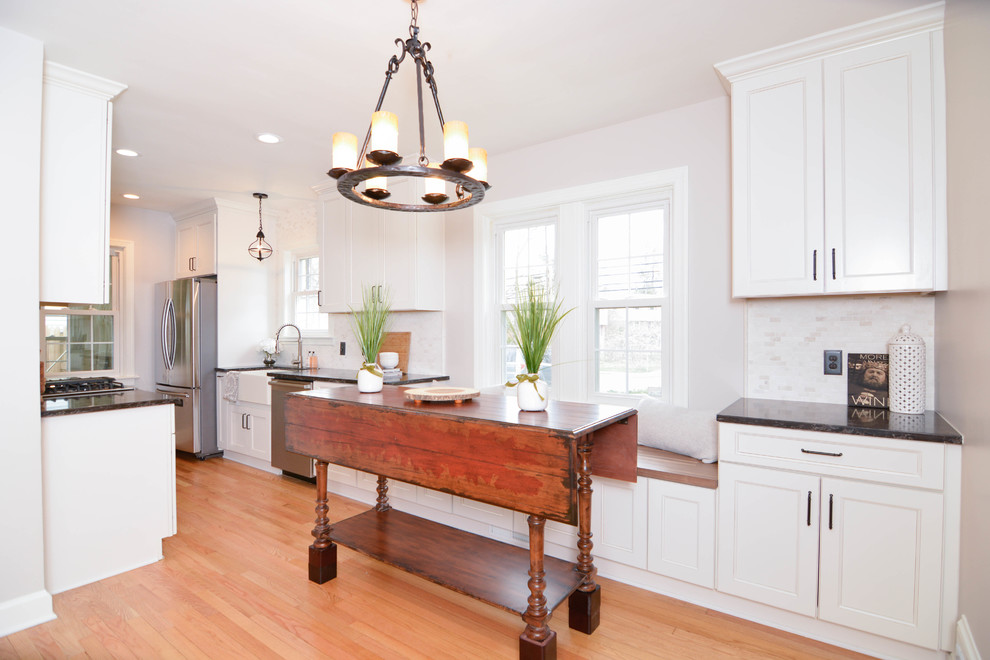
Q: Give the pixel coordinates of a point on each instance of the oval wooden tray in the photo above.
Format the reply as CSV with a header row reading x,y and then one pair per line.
x,y
441,394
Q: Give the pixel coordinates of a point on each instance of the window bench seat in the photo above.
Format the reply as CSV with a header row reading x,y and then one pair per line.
x,y
668,466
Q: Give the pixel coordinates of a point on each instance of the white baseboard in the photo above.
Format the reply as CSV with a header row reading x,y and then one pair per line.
x,y
250,461
25,611
965,644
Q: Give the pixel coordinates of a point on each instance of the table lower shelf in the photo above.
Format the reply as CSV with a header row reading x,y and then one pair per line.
x,y
489,570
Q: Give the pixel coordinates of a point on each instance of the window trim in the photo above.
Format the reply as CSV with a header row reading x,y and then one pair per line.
x,y
123,336
571,207
289,292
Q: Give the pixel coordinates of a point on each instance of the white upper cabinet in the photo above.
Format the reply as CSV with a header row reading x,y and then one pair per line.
x,y
879,168
196,251
777,196
838,171
75,185
364,246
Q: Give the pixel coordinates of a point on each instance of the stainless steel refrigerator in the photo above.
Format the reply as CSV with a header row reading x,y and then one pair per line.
x,y
185,366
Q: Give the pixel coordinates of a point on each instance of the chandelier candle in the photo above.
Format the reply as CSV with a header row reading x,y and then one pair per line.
x,y
344,153
435,189
479,161
384,138
380,156
377,187
455,146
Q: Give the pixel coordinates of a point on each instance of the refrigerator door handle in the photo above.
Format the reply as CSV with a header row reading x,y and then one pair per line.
x,y
172,330
164,333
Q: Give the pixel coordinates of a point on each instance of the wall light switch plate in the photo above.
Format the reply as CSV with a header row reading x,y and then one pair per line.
x,y
833,363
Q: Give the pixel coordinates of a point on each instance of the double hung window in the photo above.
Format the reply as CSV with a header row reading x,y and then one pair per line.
x,y
616,254
304,308
84,340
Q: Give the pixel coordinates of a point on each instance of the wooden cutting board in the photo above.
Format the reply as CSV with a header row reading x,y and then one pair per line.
x,y
398,342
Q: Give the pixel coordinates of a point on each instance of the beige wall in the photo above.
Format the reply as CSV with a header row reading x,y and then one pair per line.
x,y
696,136
962,315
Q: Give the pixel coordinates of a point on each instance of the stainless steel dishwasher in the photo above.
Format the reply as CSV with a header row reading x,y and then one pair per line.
x,y
290,463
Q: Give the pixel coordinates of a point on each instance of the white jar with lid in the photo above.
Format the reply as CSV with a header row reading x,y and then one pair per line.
x,y
907,372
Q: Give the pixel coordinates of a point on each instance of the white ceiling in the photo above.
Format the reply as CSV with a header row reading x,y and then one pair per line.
x,y
205,76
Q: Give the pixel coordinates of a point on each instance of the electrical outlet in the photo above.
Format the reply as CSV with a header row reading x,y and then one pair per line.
x,y
343,348
833,363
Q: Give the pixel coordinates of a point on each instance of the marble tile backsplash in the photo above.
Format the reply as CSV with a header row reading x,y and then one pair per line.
x,y
786,337
425,344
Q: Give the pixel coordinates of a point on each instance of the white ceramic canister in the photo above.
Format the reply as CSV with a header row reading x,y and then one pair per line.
x,y
907,372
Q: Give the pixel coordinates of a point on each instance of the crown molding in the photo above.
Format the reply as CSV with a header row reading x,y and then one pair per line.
x,y
80,81
913,21
215,204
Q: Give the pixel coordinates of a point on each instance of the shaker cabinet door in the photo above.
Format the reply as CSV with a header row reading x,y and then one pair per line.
x,y
777,202
881,559
768,536
879,174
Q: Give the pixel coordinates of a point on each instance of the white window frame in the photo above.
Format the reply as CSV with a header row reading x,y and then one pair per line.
x,y
573,375
123,326
290,292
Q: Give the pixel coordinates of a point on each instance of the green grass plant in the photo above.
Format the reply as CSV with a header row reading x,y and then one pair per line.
x,y
372,321
533,321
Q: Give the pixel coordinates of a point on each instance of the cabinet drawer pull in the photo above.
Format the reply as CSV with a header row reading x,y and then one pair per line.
x,y
242,421
820,453
319,298
833,263
814,265
830,511
248,427
809,508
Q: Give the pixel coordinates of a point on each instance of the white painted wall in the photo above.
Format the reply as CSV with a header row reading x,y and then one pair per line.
x,y
153,235
23,599
963,312
695,136
245,300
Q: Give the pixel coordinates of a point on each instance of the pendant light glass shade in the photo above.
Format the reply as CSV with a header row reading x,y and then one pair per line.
x,y
260,249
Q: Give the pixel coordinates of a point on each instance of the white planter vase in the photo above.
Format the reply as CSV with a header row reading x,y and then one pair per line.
x,y
368,381
532,396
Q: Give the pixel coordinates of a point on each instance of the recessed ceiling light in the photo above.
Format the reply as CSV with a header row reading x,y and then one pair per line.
x,y
268,138
130,153
130,196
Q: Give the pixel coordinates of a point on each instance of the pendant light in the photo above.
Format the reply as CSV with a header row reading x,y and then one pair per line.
x,y
260,249
380,158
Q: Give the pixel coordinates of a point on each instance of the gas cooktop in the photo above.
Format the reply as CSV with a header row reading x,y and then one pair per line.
x,y
82,386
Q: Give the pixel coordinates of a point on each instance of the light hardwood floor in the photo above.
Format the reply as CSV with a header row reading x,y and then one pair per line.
x,y
233,585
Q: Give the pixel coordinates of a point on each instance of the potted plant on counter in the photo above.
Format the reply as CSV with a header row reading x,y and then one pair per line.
x,y
370,323
532,322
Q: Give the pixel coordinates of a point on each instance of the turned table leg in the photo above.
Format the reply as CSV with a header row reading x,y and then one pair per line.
x,y
537,642
381,504
323,552
584,605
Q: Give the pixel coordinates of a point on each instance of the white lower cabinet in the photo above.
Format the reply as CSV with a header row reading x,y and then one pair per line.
x,y
681,532
881,560
248,430
863,554
768,536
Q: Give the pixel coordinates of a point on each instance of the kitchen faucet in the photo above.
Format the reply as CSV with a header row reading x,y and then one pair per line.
x,y
298,361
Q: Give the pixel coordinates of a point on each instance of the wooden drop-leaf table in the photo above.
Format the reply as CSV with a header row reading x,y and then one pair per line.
x,y
485,449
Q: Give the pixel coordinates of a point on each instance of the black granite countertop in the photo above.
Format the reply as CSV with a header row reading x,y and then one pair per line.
x,y
346,376
72,405
837,418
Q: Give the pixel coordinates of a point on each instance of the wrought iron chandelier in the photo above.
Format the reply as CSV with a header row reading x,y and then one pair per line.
x,y
260,249
379,154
